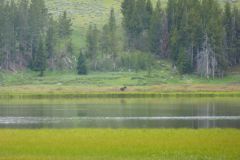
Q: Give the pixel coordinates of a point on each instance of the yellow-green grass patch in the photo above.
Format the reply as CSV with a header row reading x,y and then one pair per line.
x,y
108,144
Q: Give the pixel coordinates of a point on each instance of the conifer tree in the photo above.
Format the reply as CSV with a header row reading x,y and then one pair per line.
x,y
171,14
64,34
40,62
156,30
237,34
148,14
113,42
128,9
23,29
37,20
65,24
104,40
229,32
51,40
92,44
81,64
183,62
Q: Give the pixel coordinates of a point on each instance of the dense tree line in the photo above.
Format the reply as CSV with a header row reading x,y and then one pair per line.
x,y
31,38
197,35
104,49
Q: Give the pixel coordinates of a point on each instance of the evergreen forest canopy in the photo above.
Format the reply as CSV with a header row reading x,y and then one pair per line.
x,y
197,36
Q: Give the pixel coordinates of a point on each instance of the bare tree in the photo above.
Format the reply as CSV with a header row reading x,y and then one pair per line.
x,y
206,60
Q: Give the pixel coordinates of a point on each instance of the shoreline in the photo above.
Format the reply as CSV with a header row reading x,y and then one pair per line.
x,y
53,91
119,95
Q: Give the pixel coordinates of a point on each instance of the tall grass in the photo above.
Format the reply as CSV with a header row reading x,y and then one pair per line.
x,y
117,95
107,144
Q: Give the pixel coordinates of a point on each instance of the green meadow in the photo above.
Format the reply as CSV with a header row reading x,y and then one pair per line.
x,y
162,82
108,144
162,73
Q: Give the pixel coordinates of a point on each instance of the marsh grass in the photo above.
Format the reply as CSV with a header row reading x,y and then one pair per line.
x,y
23,102
108,144
118,95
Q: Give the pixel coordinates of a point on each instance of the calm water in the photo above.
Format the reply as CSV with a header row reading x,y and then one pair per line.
x,y
121,113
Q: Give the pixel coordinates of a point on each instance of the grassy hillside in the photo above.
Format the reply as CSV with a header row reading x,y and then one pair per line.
x,y
85,12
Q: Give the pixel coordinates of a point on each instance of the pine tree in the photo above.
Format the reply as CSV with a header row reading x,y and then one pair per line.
x,y
81,64
183,62
92,44
64,33
171,14
156,30
1,31
128,9
140,16
139,25
148,14
51,40
23,30
65,24
8,35
174,46
40,62
229,32
104,40
237,34
37,20
113,45
92,41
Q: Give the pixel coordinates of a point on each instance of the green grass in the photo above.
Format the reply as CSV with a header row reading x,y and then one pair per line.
x,y
107,144
160,83
163,74
21,102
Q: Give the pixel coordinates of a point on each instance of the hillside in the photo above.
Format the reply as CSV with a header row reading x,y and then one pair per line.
x,y
106,57
91,11
82,13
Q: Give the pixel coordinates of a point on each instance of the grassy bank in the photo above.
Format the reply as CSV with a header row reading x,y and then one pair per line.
x,y
168,90
160,83
91,144
43,91
160,76
116,94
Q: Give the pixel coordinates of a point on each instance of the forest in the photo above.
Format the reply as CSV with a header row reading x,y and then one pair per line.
x,y
197,36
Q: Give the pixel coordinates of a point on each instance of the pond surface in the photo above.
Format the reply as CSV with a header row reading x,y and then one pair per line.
x,y
121,113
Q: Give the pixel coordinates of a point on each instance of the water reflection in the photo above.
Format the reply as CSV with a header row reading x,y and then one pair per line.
x,y
123,113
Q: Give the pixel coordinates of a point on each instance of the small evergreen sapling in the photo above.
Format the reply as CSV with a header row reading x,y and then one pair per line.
x,y
81,65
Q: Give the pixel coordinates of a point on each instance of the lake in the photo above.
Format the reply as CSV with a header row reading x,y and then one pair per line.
x,y
121,113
